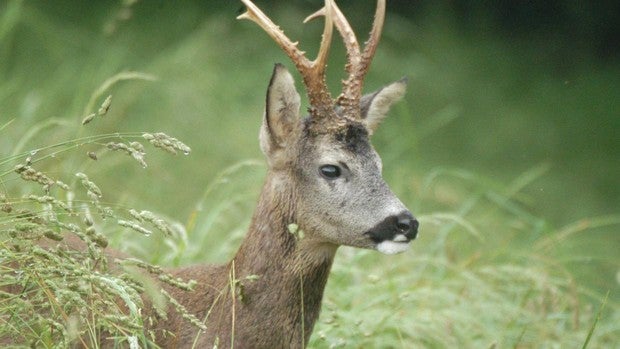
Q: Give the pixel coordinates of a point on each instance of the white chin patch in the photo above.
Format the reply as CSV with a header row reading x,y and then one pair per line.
x,y
391,247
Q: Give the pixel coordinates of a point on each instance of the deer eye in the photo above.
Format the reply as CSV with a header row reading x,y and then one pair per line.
x,y
330,171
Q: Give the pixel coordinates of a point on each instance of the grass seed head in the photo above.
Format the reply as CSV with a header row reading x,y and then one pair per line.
x,y
134,226
183,311
91,187
30,174
105,106
49,200
135,149
167,143
5,205
88,118
158,222
92,155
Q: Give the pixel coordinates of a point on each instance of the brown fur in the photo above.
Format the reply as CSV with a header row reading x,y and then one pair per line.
x,y
291,276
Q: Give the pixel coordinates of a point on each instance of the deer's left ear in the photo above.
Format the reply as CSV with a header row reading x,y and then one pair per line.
x,y
376,105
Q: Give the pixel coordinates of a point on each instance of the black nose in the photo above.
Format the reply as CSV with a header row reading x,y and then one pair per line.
x,y
407,225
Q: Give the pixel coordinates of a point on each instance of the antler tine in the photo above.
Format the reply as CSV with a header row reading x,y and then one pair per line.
x,y
326,41
357,67
343,26
313,72
370,47
257,16
357,62
348,37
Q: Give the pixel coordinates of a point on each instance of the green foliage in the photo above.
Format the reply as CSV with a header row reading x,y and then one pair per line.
x,y
518,206
471,281
59,286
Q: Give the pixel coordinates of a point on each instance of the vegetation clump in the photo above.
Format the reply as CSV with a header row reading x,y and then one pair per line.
x,y
59,284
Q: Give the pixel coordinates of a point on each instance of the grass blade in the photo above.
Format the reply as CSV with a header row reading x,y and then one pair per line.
x,y
596,319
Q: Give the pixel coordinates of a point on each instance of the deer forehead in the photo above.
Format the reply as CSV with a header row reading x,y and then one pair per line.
x,y
350,146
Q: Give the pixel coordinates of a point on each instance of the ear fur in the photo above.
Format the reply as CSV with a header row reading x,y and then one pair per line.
x,y
281,113
376,105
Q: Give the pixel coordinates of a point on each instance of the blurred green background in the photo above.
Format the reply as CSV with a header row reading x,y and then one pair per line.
x,y
498,93
517,84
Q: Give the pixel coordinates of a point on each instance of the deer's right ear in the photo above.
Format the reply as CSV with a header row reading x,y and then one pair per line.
x,y
281,112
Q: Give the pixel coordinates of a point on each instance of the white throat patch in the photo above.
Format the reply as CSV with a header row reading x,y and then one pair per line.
x,y
392,247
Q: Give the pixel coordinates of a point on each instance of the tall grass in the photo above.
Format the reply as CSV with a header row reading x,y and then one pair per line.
x,y
489,292
505,257
59,285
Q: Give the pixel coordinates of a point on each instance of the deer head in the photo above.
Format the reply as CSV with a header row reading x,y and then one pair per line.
x,y
325,161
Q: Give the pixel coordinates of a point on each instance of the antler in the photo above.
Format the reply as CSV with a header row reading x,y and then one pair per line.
x,y
313,72
357,63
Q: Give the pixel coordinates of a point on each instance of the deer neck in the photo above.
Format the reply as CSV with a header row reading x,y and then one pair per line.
x,y
288,272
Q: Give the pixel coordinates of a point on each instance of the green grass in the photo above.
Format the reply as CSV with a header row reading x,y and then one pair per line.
x,y
514,182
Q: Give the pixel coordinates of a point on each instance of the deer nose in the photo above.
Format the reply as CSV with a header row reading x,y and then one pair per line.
x,y
407,224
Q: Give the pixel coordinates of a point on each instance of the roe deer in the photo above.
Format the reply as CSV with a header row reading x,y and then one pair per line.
x,y
324,176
